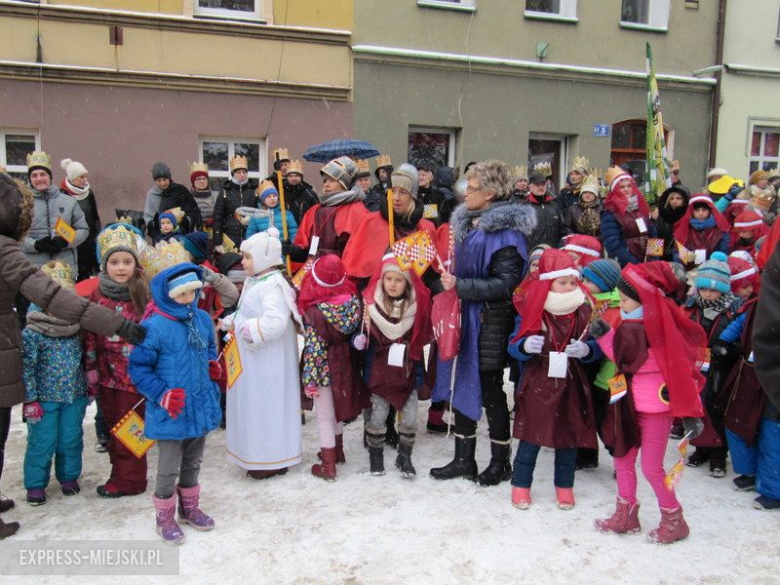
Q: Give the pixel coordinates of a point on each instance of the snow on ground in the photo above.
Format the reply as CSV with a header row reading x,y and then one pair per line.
x,y
382,530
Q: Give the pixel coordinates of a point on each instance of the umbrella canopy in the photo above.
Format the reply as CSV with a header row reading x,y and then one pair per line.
x,y
327,151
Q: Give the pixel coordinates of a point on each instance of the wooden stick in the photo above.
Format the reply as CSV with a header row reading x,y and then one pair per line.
x,y
390,215
285,232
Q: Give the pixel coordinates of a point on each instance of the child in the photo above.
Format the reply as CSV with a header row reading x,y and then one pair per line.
x,y
168,227
713,306
655,348
583,249
749,227
329,303
56,397
535,256
175,369
554,407
218,291
399,310
122,287
264,404
269,214
745,279
703,230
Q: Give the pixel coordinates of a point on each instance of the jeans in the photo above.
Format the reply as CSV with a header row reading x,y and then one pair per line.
x,y
496,409
525,463
761,460
178,460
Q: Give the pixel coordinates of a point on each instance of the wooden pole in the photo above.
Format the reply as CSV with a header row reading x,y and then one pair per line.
x,y
285,233
390,215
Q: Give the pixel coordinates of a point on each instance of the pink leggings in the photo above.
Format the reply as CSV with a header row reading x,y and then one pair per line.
x,y
654,436
326,418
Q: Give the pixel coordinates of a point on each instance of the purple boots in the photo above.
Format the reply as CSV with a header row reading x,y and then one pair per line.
x,y
189,513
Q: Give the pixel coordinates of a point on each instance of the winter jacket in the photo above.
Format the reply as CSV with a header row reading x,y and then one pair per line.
x,y
259,223
205,201
87,258
549,222
169,358
375,194
615,242
49,206
571,217
229,200
52,367
567,197
174,196
766,342
667,219
19,275
299,199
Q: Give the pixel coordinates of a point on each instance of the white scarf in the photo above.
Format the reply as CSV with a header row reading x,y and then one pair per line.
x,y
78,193
564,303
390,330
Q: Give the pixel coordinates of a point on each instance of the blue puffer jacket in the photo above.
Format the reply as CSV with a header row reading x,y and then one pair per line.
x,y
259,223
168,359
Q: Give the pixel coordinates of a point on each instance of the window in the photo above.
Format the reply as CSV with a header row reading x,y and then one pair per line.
x,y
543,148
645,14
551,9
15,145
465,5
629,145
217,152
239,9
765,149
431,145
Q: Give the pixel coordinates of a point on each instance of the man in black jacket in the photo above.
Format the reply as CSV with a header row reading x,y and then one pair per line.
x,y
549,222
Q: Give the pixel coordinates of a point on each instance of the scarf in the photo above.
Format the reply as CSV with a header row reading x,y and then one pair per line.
x,y
712,309
564,303
632,202
589,221
239,183
636,315
51,326
354,194
703,224
403,225
395,325
78,193
111,289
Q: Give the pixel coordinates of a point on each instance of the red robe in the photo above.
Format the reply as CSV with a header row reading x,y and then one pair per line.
x,y
333,238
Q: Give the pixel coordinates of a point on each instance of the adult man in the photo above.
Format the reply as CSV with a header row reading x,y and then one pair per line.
x,y
431,198
299,196
383,171
281,159
548,216
363,178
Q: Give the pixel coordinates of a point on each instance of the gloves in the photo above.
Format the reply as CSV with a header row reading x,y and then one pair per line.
x,y
173,401
209,276
246,333
311,392
359,342
577,349
533,344
43,245
215,370
693,426
132,332
734,191
226,323
32,412
219,249
294,252
599,328
57,244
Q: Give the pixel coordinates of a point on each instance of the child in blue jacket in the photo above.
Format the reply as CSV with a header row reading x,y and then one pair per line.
x,y
175,368
269,213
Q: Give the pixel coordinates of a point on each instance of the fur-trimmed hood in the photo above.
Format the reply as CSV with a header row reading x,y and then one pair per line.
x,y
499,216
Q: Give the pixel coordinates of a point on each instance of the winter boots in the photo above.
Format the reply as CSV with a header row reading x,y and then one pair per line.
x,y
70,488
436,424
625,519
189,510
36,497
327,469
499,469
10,528
404,460
167,527
521,498
671,529
261,474
565,497
6,504
376,454
463,465
340,458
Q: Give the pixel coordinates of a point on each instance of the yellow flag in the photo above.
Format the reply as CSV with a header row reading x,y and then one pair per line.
x,y
63,230
130,432
232,361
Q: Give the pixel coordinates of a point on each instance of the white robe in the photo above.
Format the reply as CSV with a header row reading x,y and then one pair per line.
x,y
264,404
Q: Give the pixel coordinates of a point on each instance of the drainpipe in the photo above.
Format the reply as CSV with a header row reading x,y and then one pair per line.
x,y
715,119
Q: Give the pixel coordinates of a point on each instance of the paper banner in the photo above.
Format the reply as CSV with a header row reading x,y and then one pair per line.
x,y
232,361
130,432
415,251
63,230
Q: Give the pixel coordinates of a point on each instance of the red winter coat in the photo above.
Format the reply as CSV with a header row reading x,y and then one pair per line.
x,y
392,383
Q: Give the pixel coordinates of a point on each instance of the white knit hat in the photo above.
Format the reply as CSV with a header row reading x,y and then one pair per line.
x,y
73,169
264,248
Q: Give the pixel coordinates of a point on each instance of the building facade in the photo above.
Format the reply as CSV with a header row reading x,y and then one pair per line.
x,y
119,85
532,80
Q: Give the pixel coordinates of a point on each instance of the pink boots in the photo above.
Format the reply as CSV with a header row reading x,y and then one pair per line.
x,y
625,520
565,497
521,498
167,527
189,509
671,529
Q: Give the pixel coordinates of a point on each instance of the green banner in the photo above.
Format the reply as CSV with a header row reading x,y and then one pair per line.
x,y
657,175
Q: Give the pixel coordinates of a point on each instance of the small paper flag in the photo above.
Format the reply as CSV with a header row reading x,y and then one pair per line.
x,y
130,432
415,251
618,387
297,280
232,361
655,247
63,230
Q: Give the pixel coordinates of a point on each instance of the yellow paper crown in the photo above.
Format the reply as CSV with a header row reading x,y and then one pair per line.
x,y
383,160
116,237
520,172
580,162
239,162
363,167
60,273
199,167
295,166
543,168
264,185
764,197
282,153
773,173
126,219
177,212
591,184
611,174
38,158
162,256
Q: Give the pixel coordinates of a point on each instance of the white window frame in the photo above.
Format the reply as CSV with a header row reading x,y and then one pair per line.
x,y
764,128
432,130
566,145
224,13
457,5
259,174
657,18
25,132
566,13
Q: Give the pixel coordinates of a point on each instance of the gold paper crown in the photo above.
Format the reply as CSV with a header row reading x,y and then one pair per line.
x,y
383,160
266,184
162,256
543,168
591,184
239,162
596,173
38,158
764,196
282,153
126,219
294,166
674,165
580,162
611,174
116,237
60,273
177,212
363,167
519,172
773,173
199,167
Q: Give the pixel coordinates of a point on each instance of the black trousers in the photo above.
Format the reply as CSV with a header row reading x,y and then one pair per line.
x,y
5,425
496,409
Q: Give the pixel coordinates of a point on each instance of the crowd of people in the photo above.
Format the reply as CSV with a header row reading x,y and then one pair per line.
x,y
620,321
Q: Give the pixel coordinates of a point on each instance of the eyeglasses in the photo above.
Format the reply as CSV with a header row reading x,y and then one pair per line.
x,y
470,189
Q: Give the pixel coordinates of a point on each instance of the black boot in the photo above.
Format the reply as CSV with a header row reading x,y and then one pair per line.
x,y
463,465
499,469
376,454
391,436
404,460
699,457
5,504
587,458
8,529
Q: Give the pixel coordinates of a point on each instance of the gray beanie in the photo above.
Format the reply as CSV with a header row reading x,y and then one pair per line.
x,y
161,171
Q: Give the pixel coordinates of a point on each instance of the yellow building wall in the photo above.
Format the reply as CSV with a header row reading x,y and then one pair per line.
x,y
334,14
153,6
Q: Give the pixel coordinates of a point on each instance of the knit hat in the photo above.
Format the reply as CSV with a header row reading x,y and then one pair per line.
x,y
757,176
717,172
38,160
714,274
197,244
117,238
537,252
604,273
170,216
587,247
198,169
264,248
265,189
743,273
73,169
406,177
183,282
627,289
161,170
